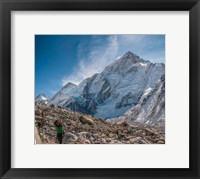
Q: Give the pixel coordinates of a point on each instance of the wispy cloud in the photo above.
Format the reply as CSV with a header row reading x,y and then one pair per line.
x,y
53,92
96,54
98,57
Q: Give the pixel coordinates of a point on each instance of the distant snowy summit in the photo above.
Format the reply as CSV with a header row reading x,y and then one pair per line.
x,y
42,98
126,83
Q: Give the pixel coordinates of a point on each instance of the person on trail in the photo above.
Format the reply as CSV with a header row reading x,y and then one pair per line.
x,y
59,130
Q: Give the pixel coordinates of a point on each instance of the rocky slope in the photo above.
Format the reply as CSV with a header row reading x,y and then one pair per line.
x,y
120,87
84,129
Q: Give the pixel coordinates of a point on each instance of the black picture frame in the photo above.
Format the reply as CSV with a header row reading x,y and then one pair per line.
x,y
7,6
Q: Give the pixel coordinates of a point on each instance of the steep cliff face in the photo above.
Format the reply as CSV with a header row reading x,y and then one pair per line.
x,y
151,107
119,88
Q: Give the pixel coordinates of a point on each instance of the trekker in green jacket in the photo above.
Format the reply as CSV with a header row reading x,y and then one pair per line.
x,y
59,130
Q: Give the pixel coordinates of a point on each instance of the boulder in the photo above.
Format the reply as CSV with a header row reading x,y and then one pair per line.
x,y
161,142
70,137
124,123
87,142
149,131
134,140
86,120
108,140
111,135
103,141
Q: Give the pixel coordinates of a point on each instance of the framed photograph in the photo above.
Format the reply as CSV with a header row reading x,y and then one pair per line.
x,y
99,89
105,97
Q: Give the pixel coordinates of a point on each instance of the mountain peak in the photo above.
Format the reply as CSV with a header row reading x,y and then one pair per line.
x,y
129,55
42,95
42,98
125,61
69,84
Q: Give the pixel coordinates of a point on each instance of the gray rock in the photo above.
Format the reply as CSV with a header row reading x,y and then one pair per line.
x,y
87,142
108,139
70,137
111,135
134,140
103,141
161,142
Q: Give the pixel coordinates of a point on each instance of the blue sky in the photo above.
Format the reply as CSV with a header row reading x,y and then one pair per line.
x,y
60,59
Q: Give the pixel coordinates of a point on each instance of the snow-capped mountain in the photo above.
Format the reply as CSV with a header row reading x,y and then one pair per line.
x,y
42,98
117,89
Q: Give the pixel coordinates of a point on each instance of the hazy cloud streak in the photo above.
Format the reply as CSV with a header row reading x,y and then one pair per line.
x,y
95,62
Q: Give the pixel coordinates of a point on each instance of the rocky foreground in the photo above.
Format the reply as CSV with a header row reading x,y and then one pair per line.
x,y
84,129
